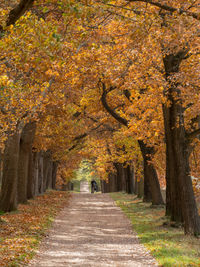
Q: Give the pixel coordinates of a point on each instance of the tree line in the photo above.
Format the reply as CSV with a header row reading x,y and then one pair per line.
x,y
114,82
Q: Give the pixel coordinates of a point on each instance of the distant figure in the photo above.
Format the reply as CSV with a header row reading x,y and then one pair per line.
x,y
94,186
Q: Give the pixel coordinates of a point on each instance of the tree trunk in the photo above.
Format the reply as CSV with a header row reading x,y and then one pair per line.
x,y
49,175
31,177
8,198
105,186
40,173
127,178
173,199
1,167
179,184
26,142
130,179
54,173
121,177
36,172
138,167
140,193
102,186
132,184
46,166
152,190
112,182
118,180
124,178
136,186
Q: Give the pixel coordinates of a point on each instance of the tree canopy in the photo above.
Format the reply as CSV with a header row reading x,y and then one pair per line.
x,y
116,82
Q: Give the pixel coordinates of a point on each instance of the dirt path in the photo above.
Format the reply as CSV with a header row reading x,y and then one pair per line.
x,y
92,231
84,187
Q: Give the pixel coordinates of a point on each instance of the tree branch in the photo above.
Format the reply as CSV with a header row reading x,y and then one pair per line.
x,y
193,134
3,111
124,8
112,112
169,8
81,136
127,95
17,12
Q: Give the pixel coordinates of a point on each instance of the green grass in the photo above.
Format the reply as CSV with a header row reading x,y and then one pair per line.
x,y
1,212
168,245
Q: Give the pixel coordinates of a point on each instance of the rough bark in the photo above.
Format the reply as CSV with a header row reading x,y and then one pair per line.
x,y
46,166
49,175
26,141
118,180
8,198
132,178
121,177
54,173
70,186
40,173
102,186
112,182
137,190
152,190
122,180
140,192
182,205
1,167
129,179
31,177
180,190
106,186
173,200
36,172
136,186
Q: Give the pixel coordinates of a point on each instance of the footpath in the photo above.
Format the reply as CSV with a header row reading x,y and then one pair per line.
x,y
92,231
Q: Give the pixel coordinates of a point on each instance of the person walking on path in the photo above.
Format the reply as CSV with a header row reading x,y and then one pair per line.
x,y
94,186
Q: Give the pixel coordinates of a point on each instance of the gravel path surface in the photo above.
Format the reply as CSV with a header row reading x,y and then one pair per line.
x,y
84,187
92,231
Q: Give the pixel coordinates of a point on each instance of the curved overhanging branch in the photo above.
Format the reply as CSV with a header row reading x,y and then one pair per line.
x,y
82,136
121,120
111,111
169,8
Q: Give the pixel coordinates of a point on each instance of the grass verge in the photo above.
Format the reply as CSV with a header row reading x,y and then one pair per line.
x,y
21,231
168,245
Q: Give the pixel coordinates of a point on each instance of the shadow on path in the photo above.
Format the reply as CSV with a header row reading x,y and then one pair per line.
x,y
92,231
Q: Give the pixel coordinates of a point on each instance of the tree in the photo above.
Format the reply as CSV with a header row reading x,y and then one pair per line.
x,y
145,74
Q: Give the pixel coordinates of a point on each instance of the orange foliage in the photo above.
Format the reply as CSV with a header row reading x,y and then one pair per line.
x,y
21,230
61,61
